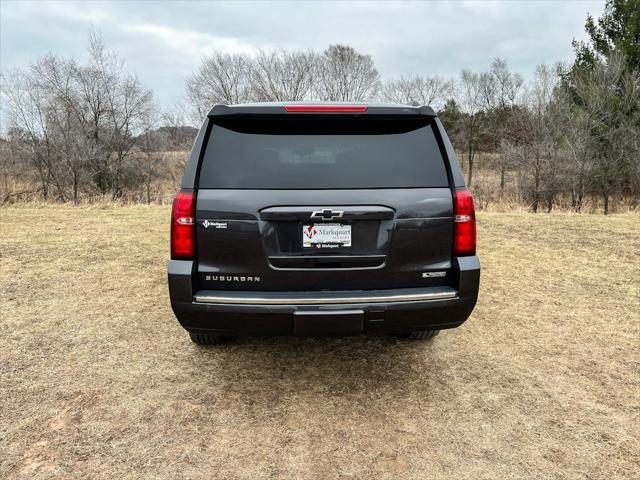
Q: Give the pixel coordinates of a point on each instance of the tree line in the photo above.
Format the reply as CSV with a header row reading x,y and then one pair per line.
x,y
567,134
82,129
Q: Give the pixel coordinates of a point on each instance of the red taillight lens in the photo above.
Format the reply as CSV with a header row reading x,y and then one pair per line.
x,y
326,108
464,223
183,234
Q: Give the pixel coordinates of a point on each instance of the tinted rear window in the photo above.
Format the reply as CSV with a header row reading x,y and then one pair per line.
x,y
322,154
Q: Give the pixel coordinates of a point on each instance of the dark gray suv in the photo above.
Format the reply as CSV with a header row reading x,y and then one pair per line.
x,y
322,219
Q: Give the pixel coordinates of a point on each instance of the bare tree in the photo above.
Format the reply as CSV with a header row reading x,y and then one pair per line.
x,y
506,84
68,139
222,78
282,75
346,75
541,152
77,122
432,91
66,115
28,108
573,138
152,158
470,91
127,104
609,95
339,73
501,94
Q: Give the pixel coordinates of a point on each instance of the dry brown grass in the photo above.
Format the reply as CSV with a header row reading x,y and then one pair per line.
x,y
99,381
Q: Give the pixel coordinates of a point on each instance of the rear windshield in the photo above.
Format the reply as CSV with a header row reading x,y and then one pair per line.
x,y
322,154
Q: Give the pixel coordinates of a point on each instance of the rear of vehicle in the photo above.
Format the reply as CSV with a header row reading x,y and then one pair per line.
x,y
322,219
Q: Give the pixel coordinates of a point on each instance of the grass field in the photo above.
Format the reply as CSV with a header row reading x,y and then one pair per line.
x,y
97,380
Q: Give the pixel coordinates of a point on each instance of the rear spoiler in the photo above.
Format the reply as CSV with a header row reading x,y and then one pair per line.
x,y
319,109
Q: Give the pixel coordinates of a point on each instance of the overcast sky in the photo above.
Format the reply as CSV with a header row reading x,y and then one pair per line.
x,y
162,42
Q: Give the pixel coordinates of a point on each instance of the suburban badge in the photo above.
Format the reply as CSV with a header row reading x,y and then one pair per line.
x,y
231,278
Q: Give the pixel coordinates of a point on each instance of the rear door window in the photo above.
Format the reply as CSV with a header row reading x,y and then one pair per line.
x,y
322,154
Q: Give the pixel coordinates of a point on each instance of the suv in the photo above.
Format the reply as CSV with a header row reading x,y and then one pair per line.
x,y
322,219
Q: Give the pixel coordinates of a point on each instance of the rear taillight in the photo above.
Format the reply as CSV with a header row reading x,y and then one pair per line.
x,y
464,223
183,234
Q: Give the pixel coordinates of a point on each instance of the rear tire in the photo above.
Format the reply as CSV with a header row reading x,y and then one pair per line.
x,y
423,334
205,339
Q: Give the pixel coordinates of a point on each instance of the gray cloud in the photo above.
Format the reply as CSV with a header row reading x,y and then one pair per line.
x,y
163,41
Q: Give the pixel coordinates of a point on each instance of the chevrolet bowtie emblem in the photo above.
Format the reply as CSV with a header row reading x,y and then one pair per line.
x,y
327,214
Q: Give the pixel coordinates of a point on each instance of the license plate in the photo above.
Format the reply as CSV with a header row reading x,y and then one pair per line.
x,y
326,235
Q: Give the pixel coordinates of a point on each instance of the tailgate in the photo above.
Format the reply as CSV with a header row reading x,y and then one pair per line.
x,y
244,244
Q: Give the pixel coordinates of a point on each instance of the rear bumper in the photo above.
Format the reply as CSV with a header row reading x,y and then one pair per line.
x,y
347,312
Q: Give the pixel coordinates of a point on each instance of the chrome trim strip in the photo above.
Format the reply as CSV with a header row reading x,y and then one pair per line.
x,y
327,300
315,313
330,258
319,269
